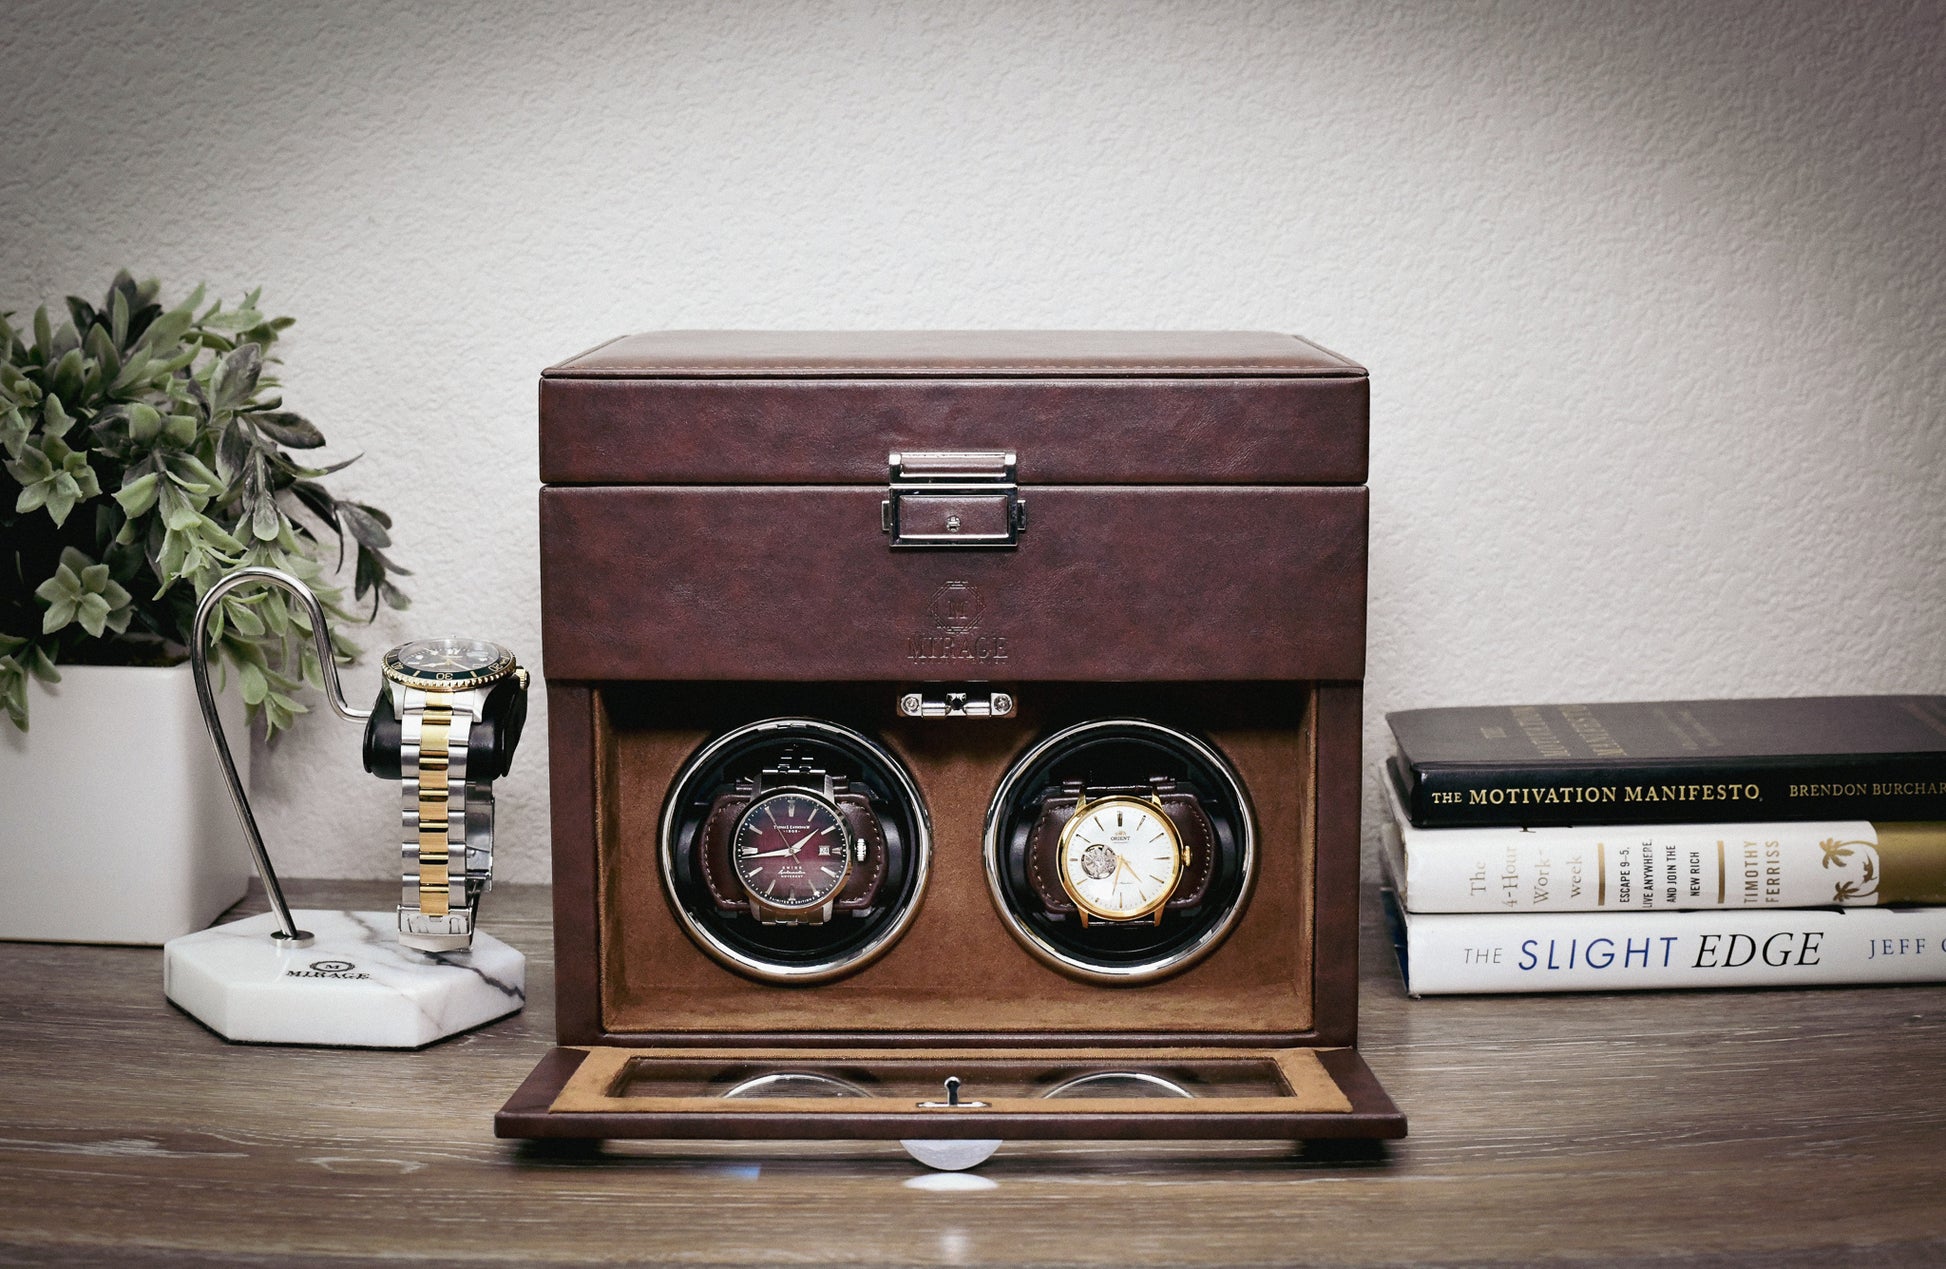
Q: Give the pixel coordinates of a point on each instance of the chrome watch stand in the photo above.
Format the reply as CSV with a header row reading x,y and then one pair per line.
x,y
317,976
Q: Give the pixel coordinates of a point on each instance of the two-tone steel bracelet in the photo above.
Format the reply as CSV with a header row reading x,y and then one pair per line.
x,y
455,706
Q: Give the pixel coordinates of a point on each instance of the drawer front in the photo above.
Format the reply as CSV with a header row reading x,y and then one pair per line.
x,y
1106,583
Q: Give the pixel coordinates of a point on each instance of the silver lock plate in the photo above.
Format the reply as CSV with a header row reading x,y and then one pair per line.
x,y
962,700
948,500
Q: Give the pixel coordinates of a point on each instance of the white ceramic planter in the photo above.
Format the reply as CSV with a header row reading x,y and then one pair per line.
x,y
115,823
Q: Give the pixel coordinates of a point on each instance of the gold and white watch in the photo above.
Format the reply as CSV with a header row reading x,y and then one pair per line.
x,y
1120,857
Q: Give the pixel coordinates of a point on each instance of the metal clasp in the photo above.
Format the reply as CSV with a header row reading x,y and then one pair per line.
x,y
965,700
943,500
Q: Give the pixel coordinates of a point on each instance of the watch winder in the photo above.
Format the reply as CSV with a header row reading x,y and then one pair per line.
x,y
794,850
1116,880
1058,577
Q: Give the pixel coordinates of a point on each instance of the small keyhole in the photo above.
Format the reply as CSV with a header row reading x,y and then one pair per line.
x,y
952,524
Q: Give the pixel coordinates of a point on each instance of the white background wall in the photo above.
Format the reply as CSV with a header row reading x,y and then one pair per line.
x,y
1653,295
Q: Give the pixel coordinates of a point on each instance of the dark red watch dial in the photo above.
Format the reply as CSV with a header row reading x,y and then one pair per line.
x,y
792,850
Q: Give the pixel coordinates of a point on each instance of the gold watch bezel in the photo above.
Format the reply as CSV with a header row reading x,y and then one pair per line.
x,y
1152,805
393,671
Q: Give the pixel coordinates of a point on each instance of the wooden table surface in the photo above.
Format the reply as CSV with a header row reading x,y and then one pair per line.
x,y
1782,1127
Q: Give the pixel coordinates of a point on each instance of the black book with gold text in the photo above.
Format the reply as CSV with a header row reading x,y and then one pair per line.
x,y
1648,762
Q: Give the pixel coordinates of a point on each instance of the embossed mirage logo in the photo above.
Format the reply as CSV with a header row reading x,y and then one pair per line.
x,y
957,606
955,611
327,969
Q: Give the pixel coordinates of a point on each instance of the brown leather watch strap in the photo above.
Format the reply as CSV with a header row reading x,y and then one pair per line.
x,y
713,850
861,885
1181,806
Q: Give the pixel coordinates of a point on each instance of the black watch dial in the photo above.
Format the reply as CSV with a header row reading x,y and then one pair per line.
x,y
792,850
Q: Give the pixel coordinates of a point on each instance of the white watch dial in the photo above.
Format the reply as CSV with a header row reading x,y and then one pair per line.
x,y
1120,858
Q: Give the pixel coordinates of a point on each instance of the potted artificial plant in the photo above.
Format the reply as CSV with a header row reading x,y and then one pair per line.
x,y
144,453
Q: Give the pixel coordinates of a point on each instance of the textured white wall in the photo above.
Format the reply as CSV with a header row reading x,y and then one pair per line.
x,y
1653,295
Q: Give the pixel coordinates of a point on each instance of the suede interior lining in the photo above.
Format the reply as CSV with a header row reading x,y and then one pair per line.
x,y
957,969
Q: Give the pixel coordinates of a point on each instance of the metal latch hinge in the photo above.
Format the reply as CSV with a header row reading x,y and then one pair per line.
x,y
953,499
959,700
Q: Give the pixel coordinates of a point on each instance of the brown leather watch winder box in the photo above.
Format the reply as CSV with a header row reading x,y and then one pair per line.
x,y
981,705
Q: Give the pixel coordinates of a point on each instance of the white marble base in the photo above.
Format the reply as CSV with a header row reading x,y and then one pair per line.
x,y
353,985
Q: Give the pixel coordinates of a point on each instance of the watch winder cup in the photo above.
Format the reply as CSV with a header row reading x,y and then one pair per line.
x,y
794,850
1120,851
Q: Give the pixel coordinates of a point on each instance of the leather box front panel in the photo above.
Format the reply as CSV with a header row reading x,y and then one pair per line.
x,y
1109,583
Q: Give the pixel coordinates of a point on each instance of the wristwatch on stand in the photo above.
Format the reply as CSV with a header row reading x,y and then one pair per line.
x,y
792,845
1120,854
445,726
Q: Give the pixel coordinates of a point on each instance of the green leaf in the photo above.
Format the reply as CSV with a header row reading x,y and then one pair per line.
x,y
197,473
245,619
41,666
135,370
92,613
58,615
144,422
63,585
101,349
68,373
33,465
364,525
264,521
62,493
289,429
235,377
166,331
138,495
54,419
180,430
14,428
177,513
255,686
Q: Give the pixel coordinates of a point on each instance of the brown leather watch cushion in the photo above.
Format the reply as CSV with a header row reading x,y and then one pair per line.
x,y
1183,810
714,845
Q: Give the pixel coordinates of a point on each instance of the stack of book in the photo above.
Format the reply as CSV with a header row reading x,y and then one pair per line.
x,y
1675,844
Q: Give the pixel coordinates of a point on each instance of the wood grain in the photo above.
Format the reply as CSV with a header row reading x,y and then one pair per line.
x,y
1786,1127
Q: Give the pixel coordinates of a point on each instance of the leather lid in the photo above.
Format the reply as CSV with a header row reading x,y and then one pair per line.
x,y
1078,407
689,354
